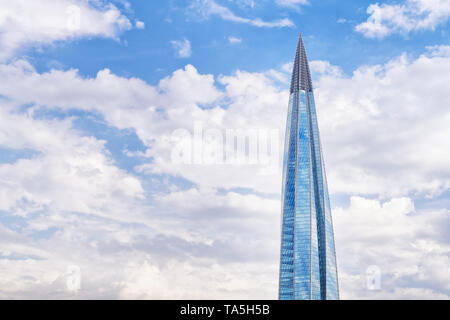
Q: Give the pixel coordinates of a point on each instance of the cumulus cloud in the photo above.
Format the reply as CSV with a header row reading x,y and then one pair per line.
x,y
24,23
175,104
74,205
91,183
411,15
82,210
322,68
408,248
182,47
83,205
210,8
385,129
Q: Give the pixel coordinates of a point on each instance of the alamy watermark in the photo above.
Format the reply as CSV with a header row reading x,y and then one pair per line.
x,y
73,17
211,146
373,277
73,278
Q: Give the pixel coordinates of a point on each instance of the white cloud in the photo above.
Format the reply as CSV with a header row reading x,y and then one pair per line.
x,y
293,4
183,47
174,104
148,242
125,248
278,76
410,249
385,129
97,211
245,3
140,25
439,51
325,68
287,67
211,8
91,183
146,281
234,40
33,23
411,15
358,115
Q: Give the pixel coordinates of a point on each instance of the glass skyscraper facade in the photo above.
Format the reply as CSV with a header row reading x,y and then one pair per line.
x,y
308,260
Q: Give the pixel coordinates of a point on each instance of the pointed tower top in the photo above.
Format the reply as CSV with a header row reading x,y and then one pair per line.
x,y
301,76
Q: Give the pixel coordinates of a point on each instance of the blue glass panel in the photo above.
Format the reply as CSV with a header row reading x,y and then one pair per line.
x,y
302,256
287,233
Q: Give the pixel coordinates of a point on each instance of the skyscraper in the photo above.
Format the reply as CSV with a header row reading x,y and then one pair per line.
x,y
308,260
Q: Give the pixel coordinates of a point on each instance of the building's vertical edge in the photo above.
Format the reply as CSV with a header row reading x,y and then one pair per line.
x,y
334,260
295,186
316,278
284,181
289,208
310,202
320,198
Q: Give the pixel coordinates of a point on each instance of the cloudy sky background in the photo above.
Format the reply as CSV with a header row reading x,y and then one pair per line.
x,y
93,90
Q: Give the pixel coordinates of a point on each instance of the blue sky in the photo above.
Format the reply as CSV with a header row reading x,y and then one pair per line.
x,y
328,29
96,93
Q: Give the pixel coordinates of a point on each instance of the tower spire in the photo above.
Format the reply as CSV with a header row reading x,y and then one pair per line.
x,y
301,76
